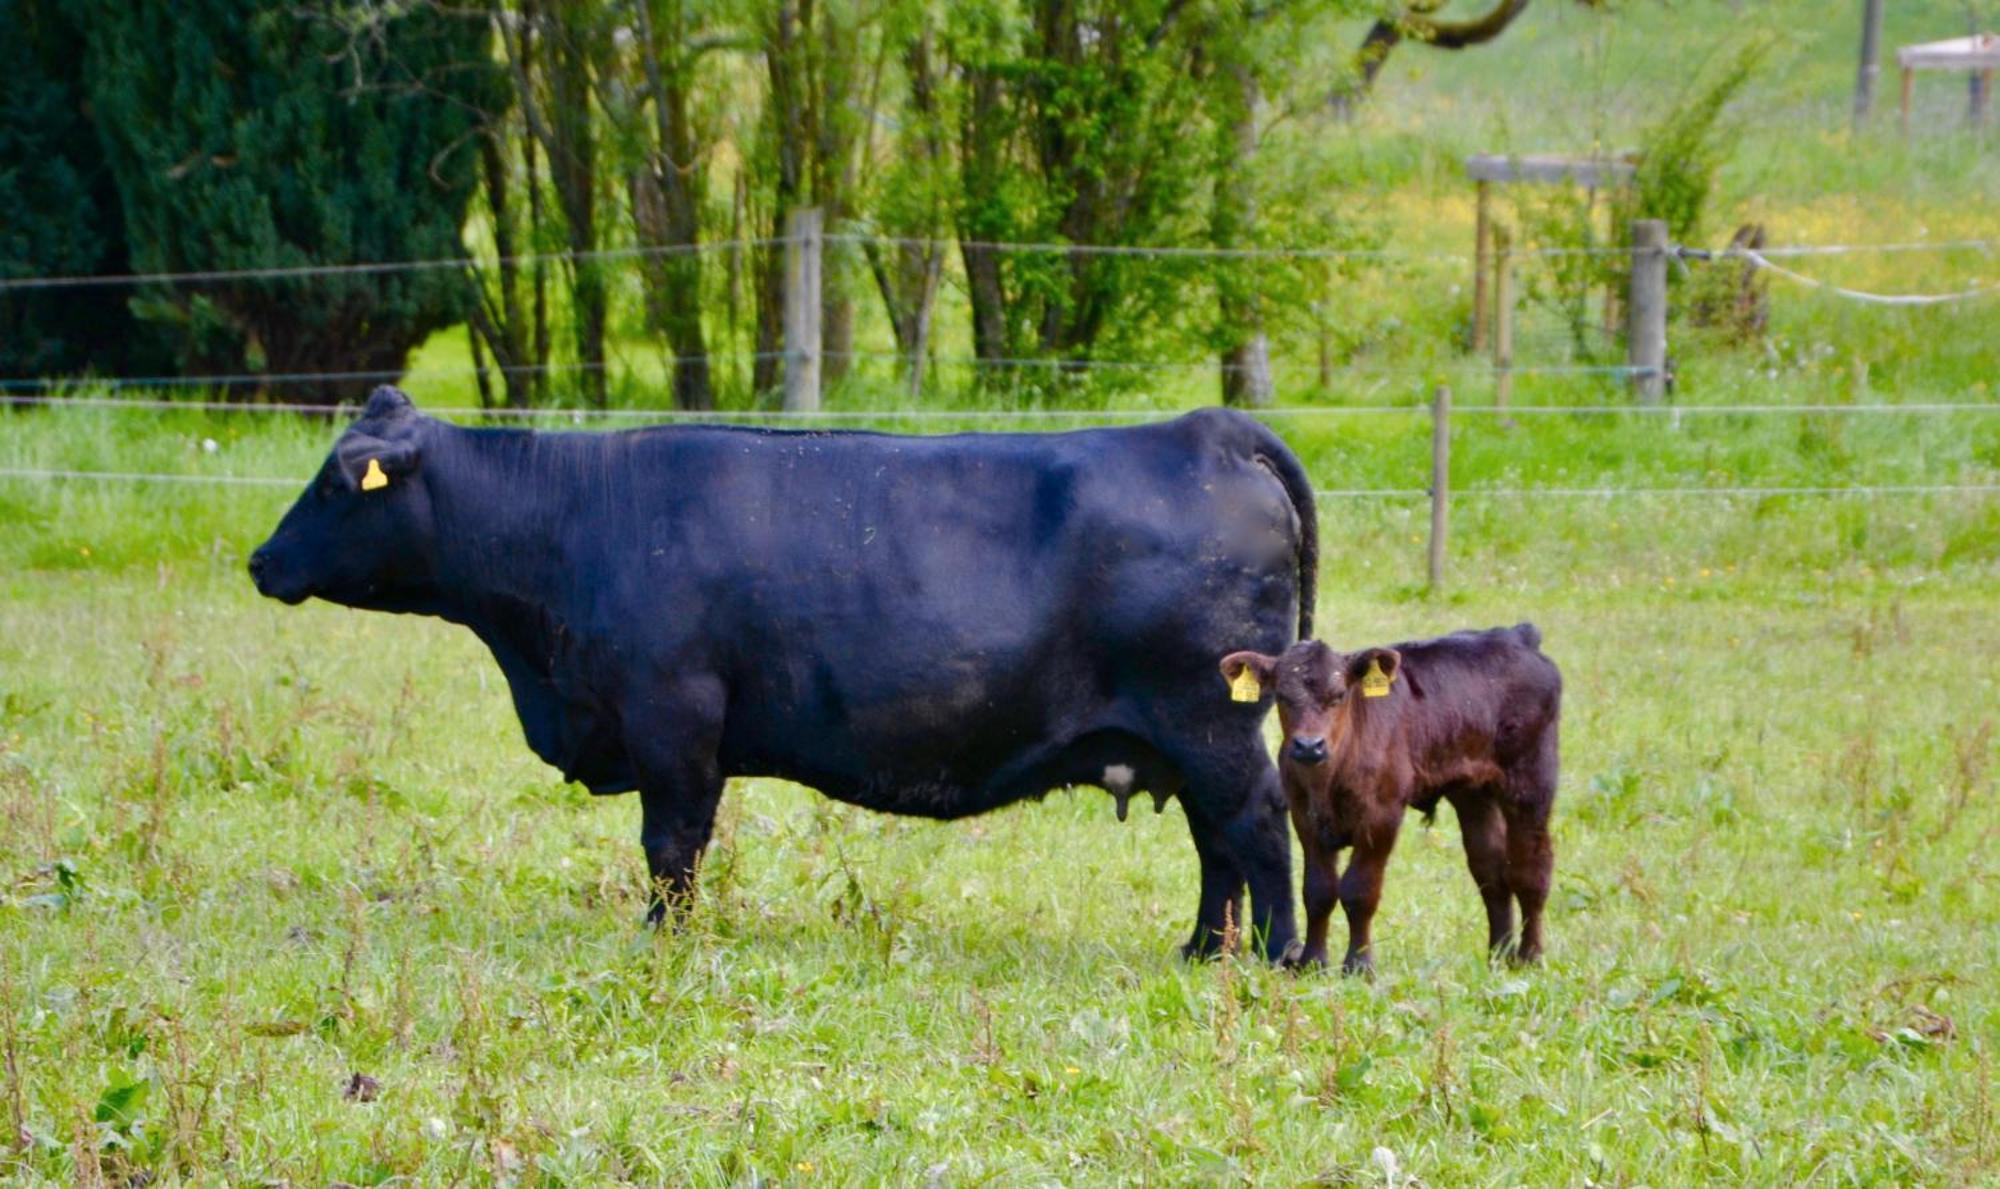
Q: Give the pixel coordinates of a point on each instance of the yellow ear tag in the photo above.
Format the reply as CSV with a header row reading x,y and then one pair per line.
x,y
1374,683
1244,687
374,479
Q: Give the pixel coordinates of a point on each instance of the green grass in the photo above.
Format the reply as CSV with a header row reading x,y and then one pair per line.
x,y
251,851
254,850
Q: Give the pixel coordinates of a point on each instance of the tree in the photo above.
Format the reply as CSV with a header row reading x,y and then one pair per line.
x,y
58,212
252,135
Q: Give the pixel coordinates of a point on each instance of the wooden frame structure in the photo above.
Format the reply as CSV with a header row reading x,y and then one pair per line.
x,y
1978,54
1488,169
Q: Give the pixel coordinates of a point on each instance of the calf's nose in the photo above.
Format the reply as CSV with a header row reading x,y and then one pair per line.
x,y
259,562
1309,749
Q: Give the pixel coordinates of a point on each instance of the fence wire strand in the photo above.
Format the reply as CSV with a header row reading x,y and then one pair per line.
x,y
646,251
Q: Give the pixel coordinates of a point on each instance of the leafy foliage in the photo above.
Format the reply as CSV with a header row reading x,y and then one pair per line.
x,y
254,135
58,210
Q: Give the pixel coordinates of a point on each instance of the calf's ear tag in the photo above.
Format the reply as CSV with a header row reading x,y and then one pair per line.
x,y
374,478
1375,683
1244,686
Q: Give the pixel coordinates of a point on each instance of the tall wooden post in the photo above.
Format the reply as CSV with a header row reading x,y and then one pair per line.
x,y
1503,322
1482,254
803,249
1440,482
1871,60
1646,310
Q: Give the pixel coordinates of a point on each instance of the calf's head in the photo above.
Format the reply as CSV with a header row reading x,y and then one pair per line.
x,y
362,533
1312,680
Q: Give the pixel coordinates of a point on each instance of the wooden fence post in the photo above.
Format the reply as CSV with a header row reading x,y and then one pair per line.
x,y
1482,240
803,244
1646,310
1503,323
1440,482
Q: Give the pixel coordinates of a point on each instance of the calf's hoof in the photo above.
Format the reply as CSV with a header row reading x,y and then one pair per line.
x,y
1358,965
1298,958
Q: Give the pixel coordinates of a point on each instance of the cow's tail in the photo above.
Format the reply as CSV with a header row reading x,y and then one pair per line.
x,y
1299,489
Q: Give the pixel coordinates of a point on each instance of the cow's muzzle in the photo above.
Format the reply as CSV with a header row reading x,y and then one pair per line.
x,y
1307,749
264,573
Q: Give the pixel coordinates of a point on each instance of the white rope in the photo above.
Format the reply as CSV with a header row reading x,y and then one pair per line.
x,y
1887,299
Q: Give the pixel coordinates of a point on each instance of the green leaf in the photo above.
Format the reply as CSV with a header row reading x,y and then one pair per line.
x,y
122,1101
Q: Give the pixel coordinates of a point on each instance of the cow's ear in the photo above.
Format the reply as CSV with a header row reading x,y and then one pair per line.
x,y
1249,674
369,463
387,403
1374,670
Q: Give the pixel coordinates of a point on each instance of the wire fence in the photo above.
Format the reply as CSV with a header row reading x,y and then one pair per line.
x,y
34,392
1154,251
59,474
331,381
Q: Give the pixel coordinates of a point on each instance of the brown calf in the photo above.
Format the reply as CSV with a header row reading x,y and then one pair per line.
x,y
1469,718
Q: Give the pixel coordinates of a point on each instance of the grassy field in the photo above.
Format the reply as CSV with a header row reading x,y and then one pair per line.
x,y
251,852
254,851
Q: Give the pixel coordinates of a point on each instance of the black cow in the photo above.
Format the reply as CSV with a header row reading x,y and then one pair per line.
x,y
925,625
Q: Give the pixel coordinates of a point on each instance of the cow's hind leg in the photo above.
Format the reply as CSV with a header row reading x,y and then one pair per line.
x,y
1485,833
1237,815
1221,906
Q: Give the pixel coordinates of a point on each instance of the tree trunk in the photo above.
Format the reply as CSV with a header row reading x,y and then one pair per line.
x,y
573,163
669,198
1246,357
781,54
982,216
503,329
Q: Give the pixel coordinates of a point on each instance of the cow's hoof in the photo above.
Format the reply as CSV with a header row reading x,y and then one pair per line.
x,y
1358,966
1298,959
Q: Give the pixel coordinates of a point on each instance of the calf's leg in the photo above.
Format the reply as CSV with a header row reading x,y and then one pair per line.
x,y
1322,892
1484,830
1361,891
1531,860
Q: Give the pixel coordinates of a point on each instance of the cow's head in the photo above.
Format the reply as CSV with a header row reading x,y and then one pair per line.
x,y
1312,680
362,534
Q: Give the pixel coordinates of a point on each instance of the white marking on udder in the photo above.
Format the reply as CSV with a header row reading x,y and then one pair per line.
x,y
1118,782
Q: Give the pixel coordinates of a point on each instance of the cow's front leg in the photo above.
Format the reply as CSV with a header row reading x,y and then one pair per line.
x,y
680,785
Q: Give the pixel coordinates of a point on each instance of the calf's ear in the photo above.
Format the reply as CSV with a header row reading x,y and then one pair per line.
x,y
1249,674
369,463
1374,670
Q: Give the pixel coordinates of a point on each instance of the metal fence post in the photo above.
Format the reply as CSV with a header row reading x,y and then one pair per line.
x,y
1440,482
1646,310
803,248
